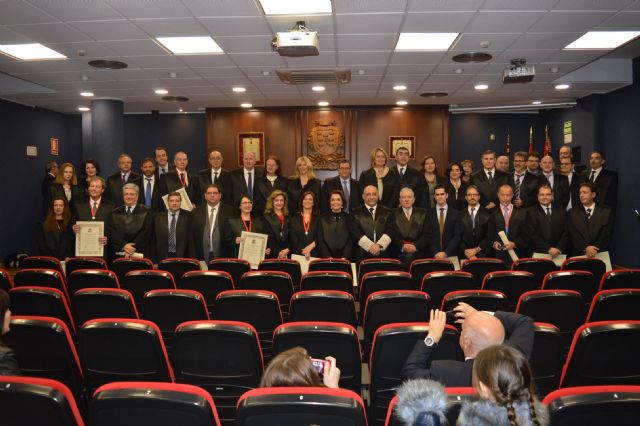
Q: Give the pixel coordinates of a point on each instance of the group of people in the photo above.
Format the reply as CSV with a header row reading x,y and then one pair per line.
x,y
391,211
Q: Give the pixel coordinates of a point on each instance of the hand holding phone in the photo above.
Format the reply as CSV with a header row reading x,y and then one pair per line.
x,y
318,364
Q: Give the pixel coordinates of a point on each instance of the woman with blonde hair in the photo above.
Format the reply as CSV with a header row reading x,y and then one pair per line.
x,y
303,180
294,367
276,218
378,175
66,185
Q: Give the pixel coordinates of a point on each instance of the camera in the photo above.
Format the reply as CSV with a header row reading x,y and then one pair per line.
x,y
318,364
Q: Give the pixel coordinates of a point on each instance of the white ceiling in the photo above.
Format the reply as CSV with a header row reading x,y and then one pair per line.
x,y
360,35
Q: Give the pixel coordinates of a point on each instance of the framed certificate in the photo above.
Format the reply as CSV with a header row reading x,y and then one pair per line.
x,y
396,142
87,240
252,248
251,142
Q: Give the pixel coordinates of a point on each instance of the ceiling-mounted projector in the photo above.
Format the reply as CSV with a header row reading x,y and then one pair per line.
x,y
300,41
518,72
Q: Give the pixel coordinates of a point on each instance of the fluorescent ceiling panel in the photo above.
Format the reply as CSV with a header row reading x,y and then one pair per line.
x,y
30,52
425,41
190,45
603,40
298,7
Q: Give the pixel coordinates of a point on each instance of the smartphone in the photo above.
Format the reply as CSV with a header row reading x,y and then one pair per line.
x,y
318,364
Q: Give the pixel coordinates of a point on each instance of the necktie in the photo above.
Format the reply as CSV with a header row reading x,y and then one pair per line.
x,y
506,219
401,172
407,214
182,181
372,211
128,211
550,179
549,213
373,218
94,210
490,174
441,224
473,218
249,185
518,183
593,176
172,234
147,193
215,177
124,178
345,190
588,213
211,225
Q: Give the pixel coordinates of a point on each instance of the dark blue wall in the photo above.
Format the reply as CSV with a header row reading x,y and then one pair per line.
x,y
469,134
21,175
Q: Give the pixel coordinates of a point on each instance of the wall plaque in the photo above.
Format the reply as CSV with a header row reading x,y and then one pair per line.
x,y
325,145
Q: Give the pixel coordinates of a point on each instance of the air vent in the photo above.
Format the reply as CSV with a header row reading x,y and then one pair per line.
x,y
106,64
175,98
433,94
472,57
311,76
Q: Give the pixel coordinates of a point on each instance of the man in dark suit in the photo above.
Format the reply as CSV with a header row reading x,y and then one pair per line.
x,y
95,209
116,181
513,222
479,331
49,178
525,183
172,231
162,162
558,182
150,185
371,227
533,163
180,178
488,179
414,230
243,180
343,182
547,224
446,226
590,224
209,219
574,178
215,174
407,175
130,225
605,181
477,228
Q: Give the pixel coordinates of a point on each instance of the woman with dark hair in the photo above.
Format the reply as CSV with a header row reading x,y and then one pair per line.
x,y
502,377
270,181
276,217
304,180
455,186
467,168
57,239
91,170
293,367
233,228
388,184
8,364
334,239
303,228
66,186
427,182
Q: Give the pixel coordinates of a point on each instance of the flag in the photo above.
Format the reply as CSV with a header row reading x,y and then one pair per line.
x,y
547,142
530,139
508,143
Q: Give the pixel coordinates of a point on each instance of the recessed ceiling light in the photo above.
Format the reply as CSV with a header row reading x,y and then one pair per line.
x,y
562,86
481,86
161,91
84,109
265,73
180,110
86,94
425,41
602,40
400,87
318,88
323,103
279,7
190,45
31,51
246,105
536,102
201,108
239,89
402,103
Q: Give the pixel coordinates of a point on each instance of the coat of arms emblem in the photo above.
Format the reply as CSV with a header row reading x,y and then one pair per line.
x,y
326,145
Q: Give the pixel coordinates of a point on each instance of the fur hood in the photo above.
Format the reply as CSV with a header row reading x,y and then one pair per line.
x,y
486,413
421,402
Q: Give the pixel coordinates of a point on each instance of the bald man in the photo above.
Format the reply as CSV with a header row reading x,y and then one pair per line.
x,y
502,163
479,330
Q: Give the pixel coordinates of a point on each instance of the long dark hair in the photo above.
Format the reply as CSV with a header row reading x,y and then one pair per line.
x,y
5,301
50,224
506,372
315,201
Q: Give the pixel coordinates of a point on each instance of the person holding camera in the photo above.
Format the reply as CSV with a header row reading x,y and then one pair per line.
x,y
294,367
479,330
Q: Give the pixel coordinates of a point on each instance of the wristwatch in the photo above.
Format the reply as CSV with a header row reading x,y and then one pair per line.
x,y
429,341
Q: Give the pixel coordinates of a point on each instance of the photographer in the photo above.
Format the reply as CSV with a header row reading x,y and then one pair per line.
x,y
295,367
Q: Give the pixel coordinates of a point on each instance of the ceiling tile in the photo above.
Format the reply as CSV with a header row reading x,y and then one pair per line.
x,y
471,41
222,8
503,22
370,6
178,27
548,40
165,60
531,56
323,24
245,44
91,50
179,72
220,60
592,5
572,21
135,47
19,12
497,5
8,36
50,33
448,78
417,57
575,55
622,21
110,30
325,59
446,22
363,23
144,9
216,72
410,69
362,58
356,42
234,26
77,10
457,5
255,59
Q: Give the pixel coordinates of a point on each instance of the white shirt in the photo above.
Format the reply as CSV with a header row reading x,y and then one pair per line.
x,y
213,171
592,207
445,207
185,175
407,212
492,171
169,214
598,170
549,177
152,180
